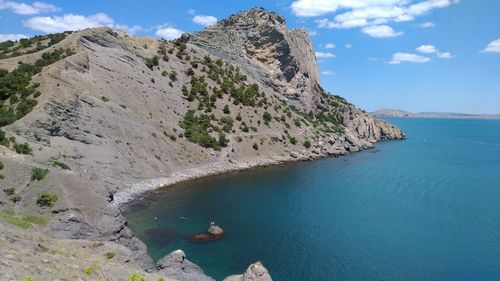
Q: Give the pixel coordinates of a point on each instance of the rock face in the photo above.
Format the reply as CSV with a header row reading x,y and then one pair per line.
x,y
113,109
260,42
255,272
176,266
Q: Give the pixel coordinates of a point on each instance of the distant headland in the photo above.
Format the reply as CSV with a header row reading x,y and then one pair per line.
x,y
387,112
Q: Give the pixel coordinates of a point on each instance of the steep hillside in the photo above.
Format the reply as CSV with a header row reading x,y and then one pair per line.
x,y
99,116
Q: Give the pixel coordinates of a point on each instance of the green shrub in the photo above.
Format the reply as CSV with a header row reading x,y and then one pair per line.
x,y
151,62
3,138
293,140
47,199
23,148
136,277
38,173
223,142
255,146
226,109
60,165
307,143
109,255
173,75
1,165
27,278
9,191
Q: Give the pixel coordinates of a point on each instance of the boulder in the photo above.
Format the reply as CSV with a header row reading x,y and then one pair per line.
x,y
255,272
177,267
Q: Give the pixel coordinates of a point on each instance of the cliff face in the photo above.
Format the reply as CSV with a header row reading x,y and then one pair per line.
x,y
130,114
259,41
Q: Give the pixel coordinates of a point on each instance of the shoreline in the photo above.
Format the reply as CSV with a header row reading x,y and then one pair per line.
x,y
134,190
131,192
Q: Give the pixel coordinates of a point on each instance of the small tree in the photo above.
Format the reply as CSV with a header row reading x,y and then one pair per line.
x,y
226,109
307,143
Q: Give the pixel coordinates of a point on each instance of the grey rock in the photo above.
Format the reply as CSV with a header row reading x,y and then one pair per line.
x,y
176,266
255,272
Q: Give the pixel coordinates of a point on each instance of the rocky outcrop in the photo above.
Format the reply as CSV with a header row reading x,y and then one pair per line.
x,y
255,272
259,42
175,265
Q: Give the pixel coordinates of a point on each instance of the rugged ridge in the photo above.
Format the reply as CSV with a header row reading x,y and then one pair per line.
x,y
117,112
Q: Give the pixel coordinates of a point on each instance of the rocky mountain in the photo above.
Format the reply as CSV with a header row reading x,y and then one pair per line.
x,y
385,112
92,118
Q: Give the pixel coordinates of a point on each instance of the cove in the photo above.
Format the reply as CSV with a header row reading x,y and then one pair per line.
x,y
426,208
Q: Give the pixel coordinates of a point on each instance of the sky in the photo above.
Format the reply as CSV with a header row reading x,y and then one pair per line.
x,y
416,55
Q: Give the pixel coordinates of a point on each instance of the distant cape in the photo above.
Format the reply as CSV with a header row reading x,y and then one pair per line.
x,y
387,112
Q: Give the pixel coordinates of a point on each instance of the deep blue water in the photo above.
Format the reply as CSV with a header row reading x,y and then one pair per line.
x,y
426,208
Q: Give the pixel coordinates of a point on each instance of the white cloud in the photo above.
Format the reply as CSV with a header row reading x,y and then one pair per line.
x,y
348,45
431,49
329,46
191,12
427,49
26,9
11,37
493,47
363,13
444,55
312,33
381,31
427,24
329,73
131,30
322,55
168,32
68,22
399,57
204,20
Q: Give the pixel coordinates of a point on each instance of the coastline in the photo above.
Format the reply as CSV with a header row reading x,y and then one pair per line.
x,y
134,190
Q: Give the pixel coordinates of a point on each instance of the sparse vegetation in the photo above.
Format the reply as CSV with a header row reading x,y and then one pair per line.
x,y
60,165
109,255
22,221
38,173
22,148
136,276
47,199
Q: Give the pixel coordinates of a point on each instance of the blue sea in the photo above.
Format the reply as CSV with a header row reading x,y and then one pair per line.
x,y
425,208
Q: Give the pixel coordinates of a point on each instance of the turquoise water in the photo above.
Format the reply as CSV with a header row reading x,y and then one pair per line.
x,y
426,208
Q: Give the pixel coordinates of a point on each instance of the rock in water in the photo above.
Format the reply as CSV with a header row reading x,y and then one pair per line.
x,y
255,272
215,230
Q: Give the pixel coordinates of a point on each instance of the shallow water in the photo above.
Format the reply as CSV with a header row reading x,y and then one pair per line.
x,y
426,208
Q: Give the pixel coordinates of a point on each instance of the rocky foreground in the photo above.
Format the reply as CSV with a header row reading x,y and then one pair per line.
x,y
90,119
